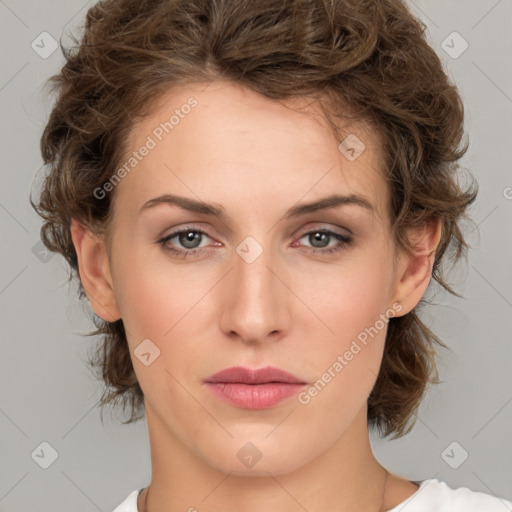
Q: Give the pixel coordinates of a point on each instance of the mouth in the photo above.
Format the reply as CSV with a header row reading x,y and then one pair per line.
x,y
262,388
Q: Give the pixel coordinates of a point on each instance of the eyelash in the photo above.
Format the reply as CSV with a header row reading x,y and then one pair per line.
x,y
343,241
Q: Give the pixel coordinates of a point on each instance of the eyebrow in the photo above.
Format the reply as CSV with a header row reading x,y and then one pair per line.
x,y
192,205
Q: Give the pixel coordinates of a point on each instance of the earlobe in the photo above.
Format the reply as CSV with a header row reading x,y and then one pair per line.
x,y
414,269
94,270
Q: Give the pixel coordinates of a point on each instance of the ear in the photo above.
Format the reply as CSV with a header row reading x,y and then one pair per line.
x,y
414,268
94,270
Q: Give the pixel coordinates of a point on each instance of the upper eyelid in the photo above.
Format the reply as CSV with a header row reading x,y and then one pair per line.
x,y
337,231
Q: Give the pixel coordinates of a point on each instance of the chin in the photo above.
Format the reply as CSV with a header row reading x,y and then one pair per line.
x,y
260,457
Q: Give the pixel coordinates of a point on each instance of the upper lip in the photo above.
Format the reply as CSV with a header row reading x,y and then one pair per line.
x,y
243,375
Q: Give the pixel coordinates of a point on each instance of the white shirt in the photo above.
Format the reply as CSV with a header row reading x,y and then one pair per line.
x,y
432,496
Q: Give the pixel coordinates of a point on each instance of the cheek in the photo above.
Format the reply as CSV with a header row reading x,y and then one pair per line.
x,y
352,303
155,296
161,306
170,305
349,297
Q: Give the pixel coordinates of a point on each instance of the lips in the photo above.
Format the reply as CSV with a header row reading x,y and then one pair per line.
x,y
254,389
243,375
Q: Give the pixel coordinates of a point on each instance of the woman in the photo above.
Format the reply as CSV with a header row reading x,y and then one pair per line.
x,y
255,197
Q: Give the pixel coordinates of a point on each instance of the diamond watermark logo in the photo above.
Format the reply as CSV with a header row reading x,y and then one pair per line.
x,y
249,249
454,455
454,45
352,147
249,454
40,251
146,352
44,455
44,45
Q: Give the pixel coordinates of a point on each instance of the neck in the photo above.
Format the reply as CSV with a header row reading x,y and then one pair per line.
x,y
346,474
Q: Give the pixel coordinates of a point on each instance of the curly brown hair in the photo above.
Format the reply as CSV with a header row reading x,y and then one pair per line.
x,y
368,55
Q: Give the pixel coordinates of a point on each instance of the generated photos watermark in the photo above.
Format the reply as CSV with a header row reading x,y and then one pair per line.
x,y
152,140
357,345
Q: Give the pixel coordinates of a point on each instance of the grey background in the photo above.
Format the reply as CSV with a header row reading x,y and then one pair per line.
x,y
47,393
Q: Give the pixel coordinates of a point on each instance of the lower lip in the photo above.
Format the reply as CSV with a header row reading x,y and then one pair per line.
x,y
253,396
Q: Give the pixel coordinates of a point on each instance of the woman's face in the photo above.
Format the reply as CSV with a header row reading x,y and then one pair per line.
x,y
257,279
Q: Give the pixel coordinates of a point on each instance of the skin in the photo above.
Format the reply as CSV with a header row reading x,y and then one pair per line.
x,y
290,308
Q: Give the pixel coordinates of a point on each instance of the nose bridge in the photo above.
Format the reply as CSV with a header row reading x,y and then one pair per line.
x,y
255,303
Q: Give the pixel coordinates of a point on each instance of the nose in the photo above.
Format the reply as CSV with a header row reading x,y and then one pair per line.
x,y
255,301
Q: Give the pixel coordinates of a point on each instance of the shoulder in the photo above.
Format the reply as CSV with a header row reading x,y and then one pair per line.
x,y
434,495
130,503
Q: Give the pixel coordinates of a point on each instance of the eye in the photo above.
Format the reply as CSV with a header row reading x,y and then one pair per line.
x,y
320,239
192,241
186,240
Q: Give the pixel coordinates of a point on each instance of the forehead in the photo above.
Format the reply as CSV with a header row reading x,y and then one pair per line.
x,y
222,142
